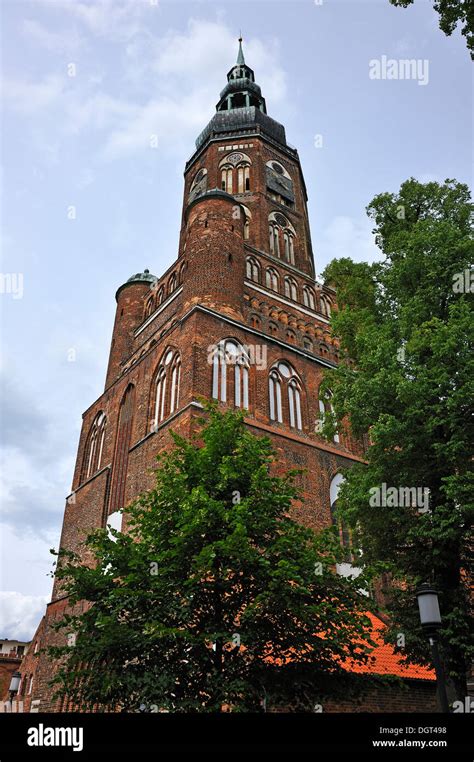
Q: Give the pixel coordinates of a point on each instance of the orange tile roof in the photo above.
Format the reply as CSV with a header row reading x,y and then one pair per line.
x,y
384,661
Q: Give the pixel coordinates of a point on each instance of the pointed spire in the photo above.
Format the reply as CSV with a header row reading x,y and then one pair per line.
x,y
240,57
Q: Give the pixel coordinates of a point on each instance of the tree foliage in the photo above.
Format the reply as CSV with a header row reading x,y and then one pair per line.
x,y
407,325
214,596
451,13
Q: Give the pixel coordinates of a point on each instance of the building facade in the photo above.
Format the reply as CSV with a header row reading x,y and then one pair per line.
x,y
239,317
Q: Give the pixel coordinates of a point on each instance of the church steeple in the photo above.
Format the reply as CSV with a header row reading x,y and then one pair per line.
x,y
241,105
240,57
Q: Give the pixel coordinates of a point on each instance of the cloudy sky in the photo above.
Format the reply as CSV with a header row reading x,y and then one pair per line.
x,y
102,102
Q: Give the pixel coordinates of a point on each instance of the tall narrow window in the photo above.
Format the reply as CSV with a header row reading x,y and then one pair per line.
x,y
160,395
252,269
291,289
271,279
230,373
274,384
149,307
94,447
282,374
122,447
325,305
282,237
166,385
172,283
175,377
226,178
294,404
308,297
243,178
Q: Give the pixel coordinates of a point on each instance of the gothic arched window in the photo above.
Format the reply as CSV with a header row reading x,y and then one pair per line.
x,y
230,373
160,295
272,280
238,163
94,446
291,288
122,447
165,390
172,283
309,299
325,303
274,240
243,178
281,237
199,184
149,306
252,269
227,178
283,375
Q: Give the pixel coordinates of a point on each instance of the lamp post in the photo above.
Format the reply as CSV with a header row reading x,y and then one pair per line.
x,y
430,618
14,685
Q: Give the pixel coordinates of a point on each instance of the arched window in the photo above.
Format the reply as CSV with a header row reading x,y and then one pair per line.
x,y
309,299
172,283
272,279
291,288
230,373
239,163
274,240
165,396
272,328
294,404
289,247
243,178
274,391
160,295
281,236
181,273
255,321
252,269
199,184
283,375
227,178
94,447
291,336
308,344
325,305
149,306
122,447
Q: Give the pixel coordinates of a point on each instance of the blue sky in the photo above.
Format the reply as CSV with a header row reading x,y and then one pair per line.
x,y
87,200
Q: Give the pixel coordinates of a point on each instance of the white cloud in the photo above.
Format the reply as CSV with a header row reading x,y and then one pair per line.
x,y
180,110
56,42
30,97
20,614
346,237
159,81
115,19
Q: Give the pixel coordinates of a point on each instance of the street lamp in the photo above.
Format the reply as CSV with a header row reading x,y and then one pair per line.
x,y
430,618
14,685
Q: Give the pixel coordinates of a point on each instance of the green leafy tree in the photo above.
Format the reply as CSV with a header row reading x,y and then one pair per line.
x,y
451,12
407,325
214,596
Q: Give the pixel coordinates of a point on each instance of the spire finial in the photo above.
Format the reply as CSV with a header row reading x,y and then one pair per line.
x,y
240,57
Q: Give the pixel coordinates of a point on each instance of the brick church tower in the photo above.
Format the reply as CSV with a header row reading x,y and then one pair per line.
x,y
238,317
